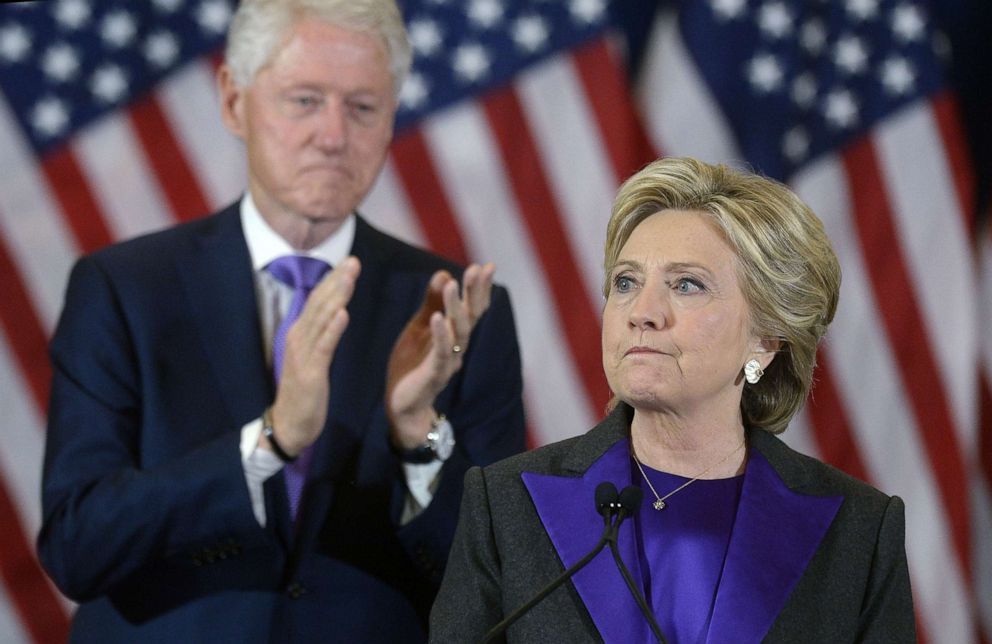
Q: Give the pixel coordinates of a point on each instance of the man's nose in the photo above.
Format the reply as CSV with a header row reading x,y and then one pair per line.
x,y
332,122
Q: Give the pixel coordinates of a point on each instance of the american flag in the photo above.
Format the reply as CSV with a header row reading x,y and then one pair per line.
x,y
516,126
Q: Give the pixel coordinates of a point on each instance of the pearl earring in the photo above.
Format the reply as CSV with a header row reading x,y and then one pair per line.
x,y
753,371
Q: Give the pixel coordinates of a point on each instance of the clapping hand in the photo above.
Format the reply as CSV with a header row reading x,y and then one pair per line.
x,y
300,409
430,350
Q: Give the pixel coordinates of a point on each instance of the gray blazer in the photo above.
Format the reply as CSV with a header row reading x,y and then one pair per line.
x,y
815,555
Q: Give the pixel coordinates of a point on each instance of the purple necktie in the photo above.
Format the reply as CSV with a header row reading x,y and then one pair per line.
x,y
301,274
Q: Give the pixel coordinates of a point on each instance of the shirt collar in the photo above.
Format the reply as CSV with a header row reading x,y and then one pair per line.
x,y
265,244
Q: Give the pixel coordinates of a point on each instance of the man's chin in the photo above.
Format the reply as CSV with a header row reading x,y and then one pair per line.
x,y
323,218
325,212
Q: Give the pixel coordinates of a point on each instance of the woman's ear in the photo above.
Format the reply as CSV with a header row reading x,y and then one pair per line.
x,y
765,350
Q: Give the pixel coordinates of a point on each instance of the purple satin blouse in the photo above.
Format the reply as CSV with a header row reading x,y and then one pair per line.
x,y
682,549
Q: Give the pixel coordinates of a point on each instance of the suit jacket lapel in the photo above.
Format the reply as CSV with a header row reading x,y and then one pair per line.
x,y
566,507
217,279
783,528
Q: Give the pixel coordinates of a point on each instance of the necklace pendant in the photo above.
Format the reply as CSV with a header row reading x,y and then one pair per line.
x,y
659,505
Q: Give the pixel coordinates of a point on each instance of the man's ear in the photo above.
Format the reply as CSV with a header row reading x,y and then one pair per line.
x,y
232,101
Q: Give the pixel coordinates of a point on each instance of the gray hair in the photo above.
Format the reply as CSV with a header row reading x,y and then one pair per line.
x,y
259,26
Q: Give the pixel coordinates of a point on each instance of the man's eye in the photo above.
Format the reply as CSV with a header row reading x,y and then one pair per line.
x,y
304,101
364,112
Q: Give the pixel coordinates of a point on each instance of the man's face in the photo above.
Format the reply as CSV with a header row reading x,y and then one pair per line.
x,y
316,121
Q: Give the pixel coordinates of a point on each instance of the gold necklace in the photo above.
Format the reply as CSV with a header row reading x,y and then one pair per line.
x,y
659,503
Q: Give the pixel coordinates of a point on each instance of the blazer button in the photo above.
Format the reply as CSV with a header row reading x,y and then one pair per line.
x,y
296,590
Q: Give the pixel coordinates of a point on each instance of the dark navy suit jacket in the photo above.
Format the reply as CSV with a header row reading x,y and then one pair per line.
x,y
815,556
158,362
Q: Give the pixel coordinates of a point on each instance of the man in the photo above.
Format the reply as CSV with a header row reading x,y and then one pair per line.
x,y
219,469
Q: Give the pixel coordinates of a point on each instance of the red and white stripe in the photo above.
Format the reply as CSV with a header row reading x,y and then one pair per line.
x,y
896,399
982,488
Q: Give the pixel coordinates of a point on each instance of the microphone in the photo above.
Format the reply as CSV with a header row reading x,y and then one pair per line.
x,y
630,502
607,500
607,504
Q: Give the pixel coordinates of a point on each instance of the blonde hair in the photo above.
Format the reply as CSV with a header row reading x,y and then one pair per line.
x,y
259,26
787,268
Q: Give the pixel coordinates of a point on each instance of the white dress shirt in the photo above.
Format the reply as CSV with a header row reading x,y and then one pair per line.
x,y
274,297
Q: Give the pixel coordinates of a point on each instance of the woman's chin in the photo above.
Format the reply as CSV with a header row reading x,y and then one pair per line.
x,y
645,399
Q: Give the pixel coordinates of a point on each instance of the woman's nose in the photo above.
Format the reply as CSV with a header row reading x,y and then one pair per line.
x,y
650,309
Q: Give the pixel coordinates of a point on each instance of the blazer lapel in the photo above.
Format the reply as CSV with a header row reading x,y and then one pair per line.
x,y
566,507
784,528
217,278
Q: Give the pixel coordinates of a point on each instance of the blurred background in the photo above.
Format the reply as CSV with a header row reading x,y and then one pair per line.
x,y
519,121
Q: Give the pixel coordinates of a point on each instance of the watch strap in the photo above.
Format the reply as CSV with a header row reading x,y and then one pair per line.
x,y
440,441
270,435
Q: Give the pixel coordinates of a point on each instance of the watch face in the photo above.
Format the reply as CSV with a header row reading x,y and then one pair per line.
x,y
442,440
443,448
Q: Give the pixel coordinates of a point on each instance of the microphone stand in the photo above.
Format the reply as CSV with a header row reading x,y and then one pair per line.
x,y
630,501
607,505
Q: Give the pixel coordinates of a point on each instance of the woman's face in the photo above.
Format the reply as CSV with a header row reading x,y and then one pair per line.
x,y
675,325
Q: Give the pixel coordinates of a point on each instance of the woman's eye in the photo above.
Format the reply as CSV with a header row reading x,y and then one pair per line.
x,y
688,285
623,283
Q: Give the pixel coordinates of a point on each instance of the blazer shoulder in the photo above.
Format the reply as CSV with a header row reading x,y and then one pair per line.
x,y
151,249
541,460
810,475
398,254
571,456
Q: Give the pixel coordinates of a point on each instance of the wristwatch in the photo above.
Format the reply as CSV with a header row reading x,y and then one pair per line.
x,y
270,434
438,446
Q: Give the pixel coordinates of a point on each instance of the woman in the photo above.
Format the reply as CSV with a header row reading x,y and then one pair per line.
x,y
719,285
